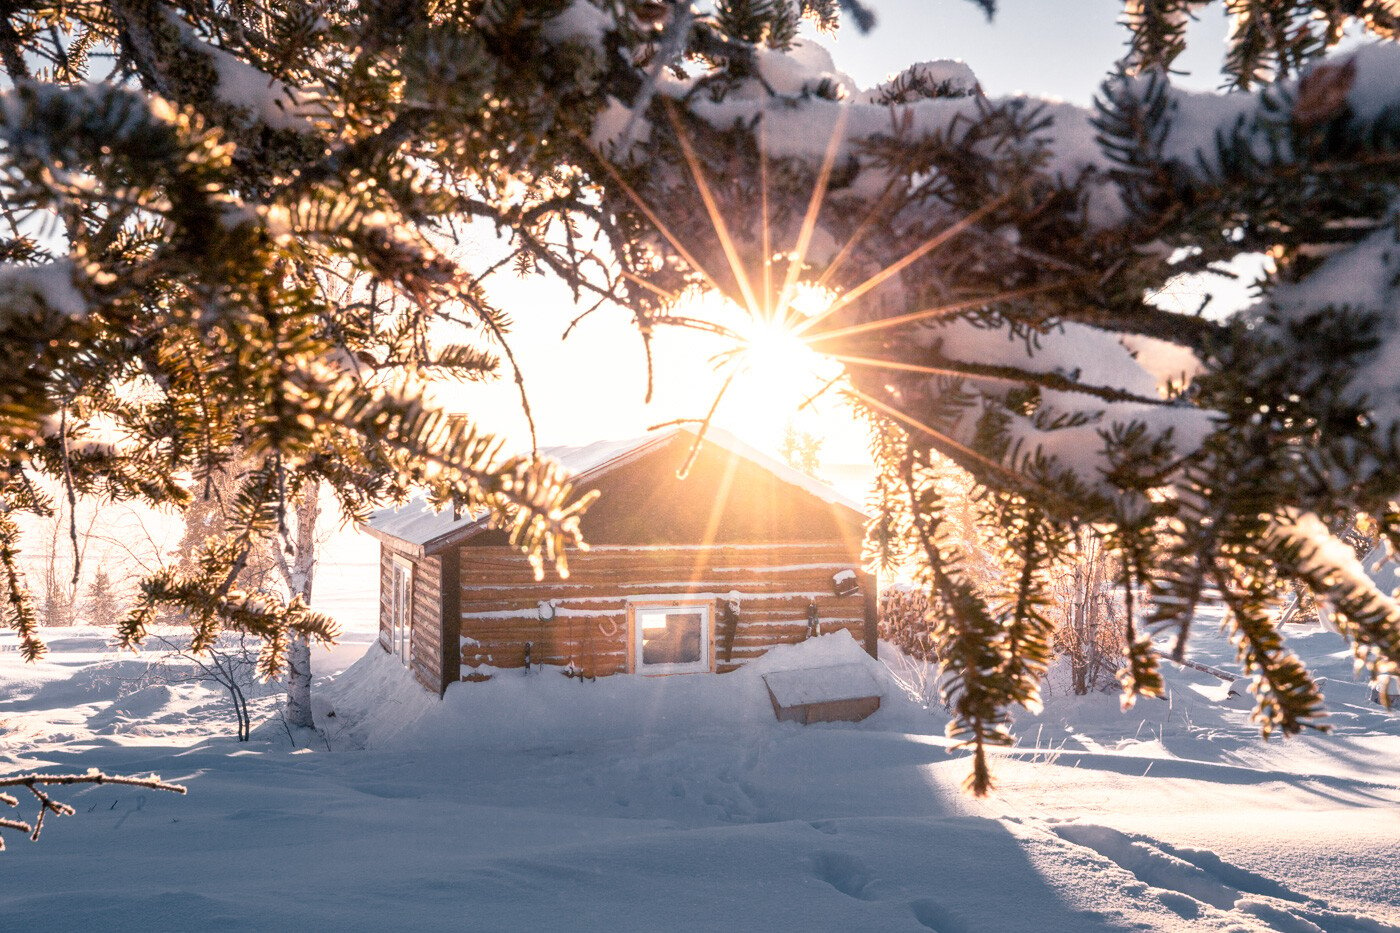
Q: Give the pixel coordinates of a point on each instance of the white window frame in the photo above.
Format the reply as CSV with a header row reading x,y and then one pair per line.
x,y
680,607
401,609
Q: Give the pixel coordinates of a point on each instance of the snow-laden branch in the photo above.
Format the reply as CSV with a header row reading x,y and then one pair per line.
x,y
1089,208
1369,616
37,785
38,290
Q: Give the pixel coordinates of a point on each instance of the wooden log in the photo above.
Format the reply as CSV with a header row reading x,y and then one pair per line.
x,y
585,587
561,659
587,576
516,608
827,558
757,635
794,609
756,600
604,628
743,553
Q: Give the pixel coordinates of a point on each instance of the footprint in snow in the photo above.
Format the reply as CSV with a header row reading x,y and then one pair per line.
x,y
845,873
936,917
1150,865
1187,880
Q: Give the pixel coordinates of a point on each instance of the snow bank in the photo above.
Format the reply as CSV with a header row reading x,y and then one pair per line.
x,y
1172,817
383,707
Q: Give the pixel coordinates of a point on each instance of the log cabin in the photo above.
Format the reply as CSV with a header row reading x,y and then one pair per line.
x,y
681,576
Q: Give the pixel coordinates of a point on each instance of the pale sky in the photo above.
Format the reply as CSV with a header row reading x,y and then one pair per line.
x,y
1061,48
592,386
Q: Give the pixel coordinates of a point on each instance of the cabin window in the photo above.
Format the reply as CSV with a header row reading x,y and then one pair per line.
x,y
671,639
401,609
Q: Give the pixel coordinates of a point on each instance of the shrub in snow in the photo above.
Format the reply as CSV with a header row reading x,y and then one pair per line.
x,y
906,621
1090,615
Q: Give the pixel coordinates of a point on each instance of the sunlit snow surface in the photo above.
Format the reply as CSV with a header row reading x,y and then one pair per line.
x,y
534,802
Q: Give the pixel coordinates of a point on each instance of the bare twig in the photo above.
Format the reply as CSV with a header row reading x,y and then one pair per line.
x,y
34,782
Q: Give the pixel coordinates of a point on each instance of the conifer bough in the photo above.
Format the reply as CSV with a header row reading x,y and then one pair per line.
x,y
256,206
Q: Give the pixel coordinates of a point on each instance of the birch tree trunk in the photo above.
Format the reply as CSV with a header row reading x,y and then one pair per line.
x,y
1091,631
298,569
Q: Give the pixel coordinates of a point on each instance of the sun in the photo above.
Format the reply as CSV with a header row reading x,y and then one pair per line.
x,y
765,368
777,374
773,354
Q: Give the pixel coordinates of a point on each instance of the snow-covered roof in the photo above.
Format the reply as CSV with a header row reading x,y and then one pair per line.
x,y
420,525
416,522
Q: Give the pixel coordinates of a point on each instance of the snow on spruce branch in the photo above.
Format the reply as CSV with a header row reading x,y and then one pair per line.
x,y
802,101
254,92
1358,282
1093,385
799,108
40,289
1369,616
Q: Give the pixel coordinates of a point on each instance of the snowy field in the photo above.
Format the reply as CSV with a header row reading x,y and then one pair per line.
x,y
533,802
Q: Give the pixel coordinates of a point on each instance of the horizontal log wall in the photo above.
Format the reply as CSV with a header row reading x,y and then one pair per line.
x,y
433,640
426,647
774,584
386,598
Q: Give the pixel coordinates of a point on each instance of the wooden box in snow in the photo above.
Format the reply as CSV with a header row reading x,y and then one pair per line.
x,y
835,693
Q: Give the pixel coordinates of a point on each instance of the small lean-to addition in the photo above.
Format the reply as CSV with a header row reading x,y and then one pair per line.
x,y
689,576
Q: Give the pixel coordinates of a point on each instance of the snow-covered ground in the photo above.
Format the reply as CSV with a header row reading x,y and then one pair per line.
x,y
533,802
